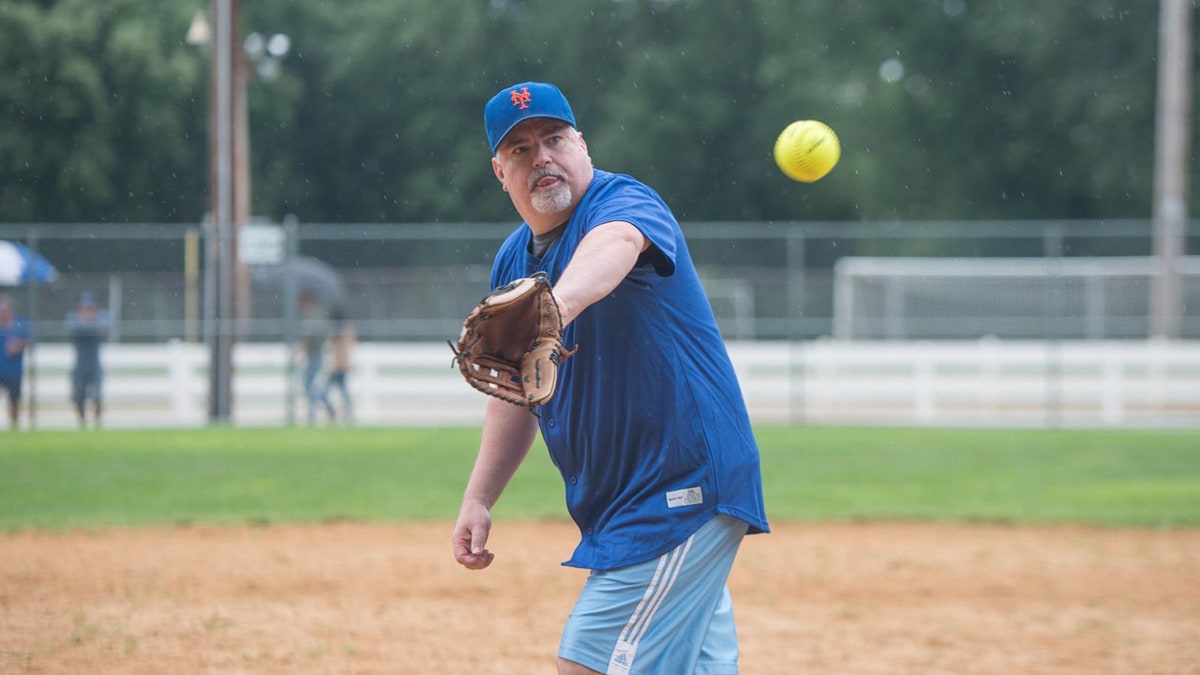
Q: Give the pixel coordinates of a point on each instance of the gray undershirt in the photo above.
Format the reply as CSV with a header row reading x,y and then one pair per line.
x,y
542,242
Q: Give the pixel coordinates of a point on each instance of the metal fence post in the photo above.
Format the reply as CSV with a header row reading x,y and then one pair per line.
x,y
30,350
290,292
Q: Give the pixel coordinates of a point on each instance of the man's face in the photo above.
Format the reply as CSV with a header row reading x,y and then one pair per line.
x,y
545,168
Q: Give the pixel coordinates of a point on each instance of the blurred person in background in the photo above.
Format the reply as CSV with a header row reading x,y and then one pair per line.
x,y
341,341
88,326
314,331
14,338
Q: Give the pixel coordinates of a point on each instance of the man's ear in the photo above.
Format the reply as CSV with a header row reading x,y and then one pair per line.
x,y
498,169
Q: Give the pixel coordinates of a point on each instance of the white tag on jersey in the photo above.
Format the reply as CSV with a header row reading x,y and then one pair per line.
x,y
685,497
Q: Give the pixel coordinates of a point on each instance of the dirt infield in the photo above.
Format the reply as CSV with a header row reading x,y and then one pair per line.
x,y
361,598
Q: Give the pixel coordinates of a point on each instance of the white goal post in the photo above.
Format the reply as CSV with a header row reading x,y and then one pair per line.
x,y
898,298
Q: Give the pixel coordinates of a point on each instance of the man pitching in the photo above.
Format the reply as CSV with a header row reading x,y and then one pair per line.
x,y
648,426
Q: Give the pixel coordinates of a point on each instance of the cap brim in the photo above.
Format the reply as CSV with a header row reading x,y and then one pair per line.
x,y
515,124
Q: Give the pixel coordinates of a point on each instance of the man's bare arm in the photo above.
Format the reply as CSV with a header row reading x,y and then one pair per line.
x,y
508,433
603,258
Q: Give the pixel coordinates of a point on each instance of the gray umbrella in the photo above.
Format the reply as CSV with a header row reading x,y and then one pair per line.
x,y
308,274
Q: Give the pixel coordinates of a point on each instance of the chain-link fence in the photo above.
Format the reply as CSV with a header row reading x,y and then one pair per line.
x,y
415,282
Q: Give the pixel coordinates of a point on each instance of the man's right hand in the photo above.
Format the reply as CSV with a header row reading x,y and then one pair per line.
x,y
471,535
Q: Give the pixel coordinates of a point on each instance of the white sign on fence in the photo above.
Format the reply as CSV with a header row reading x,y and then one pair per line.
x,y
261,244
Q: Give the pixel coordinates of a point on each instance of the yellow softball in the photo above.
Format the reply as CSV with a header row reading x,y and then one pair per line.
x,y
807,150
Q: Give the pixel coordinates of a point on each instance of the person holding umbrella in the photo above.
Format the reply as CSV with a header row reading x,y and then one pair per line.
x,y
14,338
314,330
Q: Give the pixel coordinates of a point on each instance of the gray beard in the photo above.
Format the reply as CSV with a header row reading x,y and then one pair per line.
x,y
553,201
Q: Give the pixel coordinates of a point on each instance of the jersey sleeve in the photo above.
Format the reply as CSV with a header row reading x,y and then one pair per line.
x,y
625,200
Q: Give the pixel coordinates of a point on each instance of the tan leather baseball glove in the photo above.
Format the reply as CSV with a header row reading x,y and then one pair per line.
x,y
511,343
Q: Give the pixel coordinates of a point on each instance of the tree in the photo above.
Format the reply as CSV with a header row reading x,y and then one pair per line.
x,y
101,112
947,109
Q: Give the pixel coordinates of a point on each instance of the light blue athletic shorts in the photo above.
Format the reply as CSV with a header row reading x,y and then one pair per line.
x,y
668,616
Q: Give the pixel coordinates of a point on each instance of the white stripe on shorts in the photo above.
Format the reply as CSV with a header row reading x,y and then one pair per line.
x,y
664,577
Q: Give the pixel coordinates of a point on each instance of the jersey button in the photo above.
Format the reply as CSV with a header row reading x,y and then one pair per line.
x,y
551,422
574,480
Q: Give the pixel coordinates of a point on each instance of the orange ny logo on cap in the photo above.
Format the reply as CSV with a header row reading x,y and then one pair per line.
x,y
521,98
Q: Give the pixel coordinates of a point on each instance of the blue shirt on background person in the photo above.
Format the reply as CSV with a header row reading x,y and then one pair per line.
x,y
88,327
14,338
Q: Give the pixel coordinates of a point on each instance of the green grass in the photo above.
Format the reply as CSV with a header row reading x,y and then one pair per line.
x,y
67,480
1111,478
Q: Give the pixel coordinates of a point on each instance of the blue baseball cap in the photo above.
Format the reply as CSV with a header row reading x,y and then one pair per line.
x,y
520,102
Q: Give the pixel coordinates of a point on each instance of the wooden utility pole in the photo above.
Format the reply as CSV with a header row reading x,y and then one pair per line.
x,y
229,199
1172,156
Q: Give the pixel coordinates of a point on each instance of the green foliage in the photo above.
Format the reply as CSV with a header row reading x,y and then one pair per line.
x,y
64,480
101,112
947,109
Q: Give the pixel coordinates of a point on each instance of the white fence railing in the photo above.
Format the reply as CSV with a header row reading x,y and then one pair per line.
x,y
983,383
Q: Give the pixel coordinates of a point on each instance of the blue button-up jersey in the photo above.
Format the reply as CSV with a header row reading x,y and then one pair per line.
x,y
648,427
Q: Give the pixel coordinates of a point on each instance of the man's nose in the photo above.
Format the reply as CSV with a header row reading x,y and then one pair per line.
x,y
541,155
